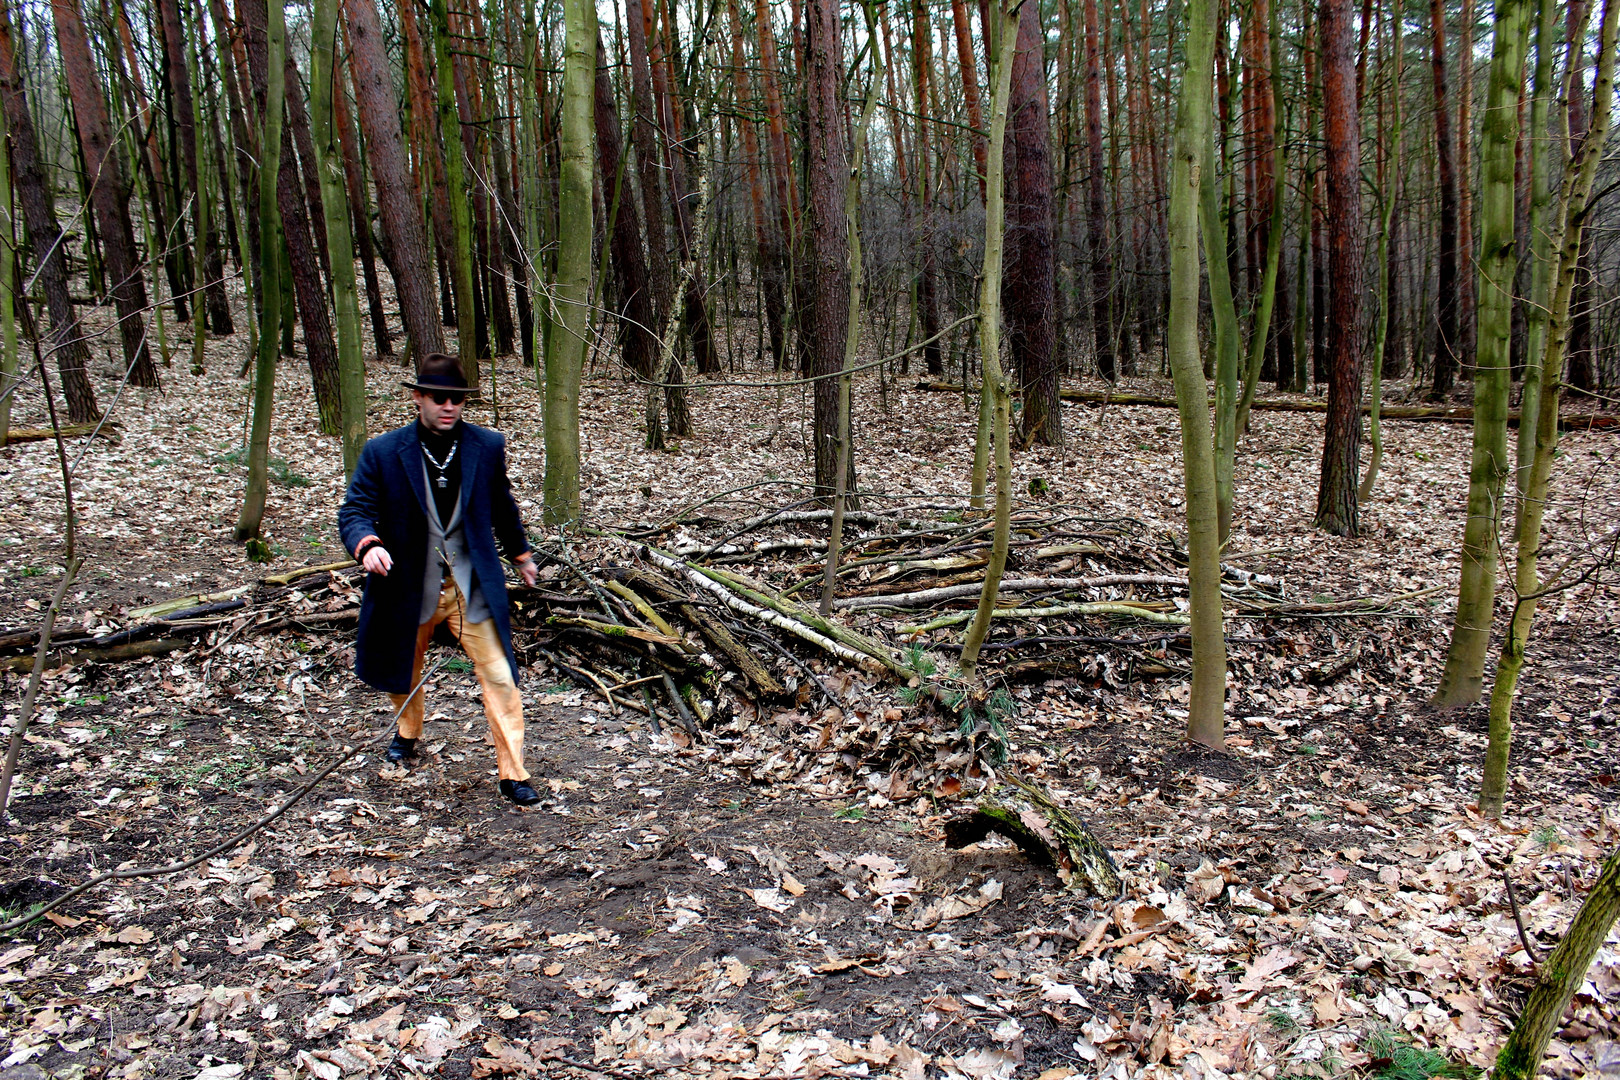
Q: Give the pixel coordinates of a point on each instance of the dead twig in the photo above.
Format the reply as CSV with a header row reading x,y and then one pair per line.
x,y
1513,902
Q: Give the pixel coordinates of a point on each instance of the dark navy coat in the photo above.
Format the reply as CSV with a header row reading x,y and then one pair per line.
x,y
387,498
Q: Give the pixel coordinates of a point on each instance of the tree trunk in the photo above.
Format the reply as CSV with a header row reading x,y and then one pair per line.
x,y
108,196
565,357
995,392
1027,294
826,175
360,207
324,87
1559,978
1541,249
1468,277
396,202
34,193
1102,285
970,86
459,189
184,114
1206,704
1448,346
1336,510
634,313
1462,680
922,60
269,94
768,259
1563,244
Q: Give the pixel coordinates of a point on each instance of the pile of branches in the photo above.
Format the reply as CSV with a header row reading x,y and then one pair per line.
x,y
702,619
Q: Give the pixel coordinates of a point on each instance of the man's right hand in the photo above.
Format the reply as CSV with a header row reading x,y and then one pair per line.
x,y
377,560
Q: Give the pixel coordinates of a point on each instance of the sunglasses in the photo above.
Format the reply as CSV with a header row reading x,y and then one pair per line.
x,y
447,397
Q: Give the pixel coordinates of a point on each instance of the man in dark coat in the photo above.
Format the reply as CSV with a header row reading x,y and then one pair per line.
x,y
425,510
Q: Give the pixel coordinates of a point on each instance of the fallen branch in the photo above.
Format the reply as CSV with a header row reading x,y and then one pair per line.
x,y
1100,608
1448,414
21,435
927,597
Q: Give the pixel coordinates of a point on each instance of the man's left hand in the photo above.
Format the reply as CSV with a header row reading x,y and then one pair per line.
x,y
529,570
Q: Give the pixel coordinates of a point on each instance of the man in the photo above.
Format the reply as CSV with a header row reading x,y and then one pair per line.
x,y
426,507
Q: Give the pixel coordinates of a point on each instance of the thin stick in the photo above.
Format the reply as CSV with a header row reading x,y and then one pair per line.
x,y
1524,938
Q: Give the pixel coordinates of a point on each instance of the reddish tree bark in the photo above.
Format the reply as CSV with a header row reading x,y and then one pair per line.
x,y
208,242
108,197
397,206
1336,510
1448,345
1027,294
1102,323
922,62
828,272
766,240
635,311
308,286
67,340
970,86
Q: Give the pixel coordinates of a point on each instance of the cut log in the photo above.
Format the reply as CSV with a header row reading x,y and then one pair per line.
x,y
132,651
1027,815
1445,414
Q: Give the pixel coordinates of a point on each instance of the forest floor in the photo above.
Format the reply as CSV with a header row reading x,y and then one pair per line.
x,y
1321,899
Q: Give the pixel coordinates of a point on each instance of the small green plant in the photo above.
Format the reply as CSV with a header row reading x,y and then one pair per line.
x,y
1396,1057
259,551
908,695
237,456
1546,836
1039,486
918,660
1281,1020
1308,749
849,813
459,664
952,516
31,571
283,474
1317,815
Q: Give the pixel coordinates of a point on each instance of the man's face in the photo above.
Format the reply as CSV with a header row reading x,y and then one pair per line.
x,y
438,409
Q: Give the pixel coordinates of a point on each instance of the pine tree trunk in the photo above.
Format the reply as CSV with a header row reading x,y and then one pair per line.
x,y
396,202
458,190
922,63
768,259
108,196
1101,273
184,114
45,235
829,233
1028,292
1448,346
1336,510
634,310
970,85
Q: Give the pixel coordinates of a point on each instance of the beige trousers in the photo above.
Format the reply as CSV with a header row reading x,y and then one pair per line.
x,y
503,704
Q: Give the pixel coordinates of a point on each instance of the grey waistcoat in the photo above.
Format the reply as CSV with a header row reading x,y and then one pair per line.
x,y
448,544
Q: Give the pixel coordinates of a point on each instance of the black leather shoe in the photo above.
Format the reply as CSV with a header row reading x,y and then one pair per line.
x,y
520,792
401,749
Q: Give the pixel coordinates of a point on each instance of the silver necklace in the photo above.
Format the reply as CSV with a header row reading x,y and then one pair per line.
x,y
442,482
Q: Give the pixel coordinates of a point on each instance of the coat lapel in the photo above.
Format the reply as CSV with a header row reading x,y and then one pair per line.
x,y
410,456
472,456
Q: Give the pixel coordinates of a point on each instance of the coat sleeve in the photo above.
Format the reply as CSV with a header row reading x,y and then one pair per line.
x,y
504,517
357,517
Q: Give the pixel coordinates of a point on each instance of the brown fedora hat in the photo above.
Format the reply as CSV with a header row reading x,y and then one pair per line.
x,y
438,371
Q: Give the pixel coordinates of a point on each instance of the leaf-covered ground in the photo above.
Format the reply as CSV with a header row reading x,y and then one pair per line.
x,y
772,901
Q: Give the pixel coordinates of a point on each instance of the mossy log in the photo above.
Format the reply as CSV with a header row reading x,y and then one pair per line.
x,y
1027,815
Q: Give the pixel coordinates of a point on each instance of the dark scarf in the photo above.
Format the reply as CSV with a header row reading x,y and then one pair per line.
x,y
439,444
